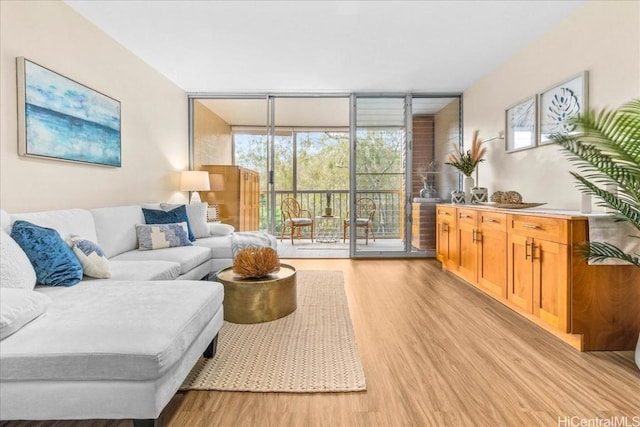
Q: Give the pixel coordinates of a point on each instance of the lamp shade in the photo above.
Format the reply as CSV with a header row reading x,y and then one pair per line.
x,y
194,181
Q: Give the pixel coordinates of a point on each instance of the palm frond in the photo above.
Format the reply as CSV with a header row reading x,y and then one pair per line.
x,y
606,151
629,211
599,251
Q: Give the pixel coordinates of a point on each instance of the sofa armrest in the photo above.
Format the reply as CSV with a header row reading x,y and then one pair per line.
x,y
219,229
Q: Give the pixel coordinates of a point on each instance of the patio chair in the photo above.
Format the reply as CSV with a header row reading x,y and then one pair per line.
x,y
365,212
294,218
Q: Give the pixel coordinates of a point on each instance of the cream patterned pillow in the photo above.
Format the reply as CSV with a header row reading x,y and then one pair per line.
x,y
92,259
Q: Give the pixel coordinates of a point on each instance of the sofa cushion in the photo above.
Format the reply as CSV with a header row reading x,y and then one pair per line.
x,y
19,307
16,270
160,236
116,228
101,330
51,258
65,222
188,257
93,260
179,214
142,270
197,214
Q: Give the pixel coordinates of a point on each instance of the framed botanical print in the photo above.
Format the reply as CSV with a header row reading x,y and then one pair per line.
x,y
559,103
520,125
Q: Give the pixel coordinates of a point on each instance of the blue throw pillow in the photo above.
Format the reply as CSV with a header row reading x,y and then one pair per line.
x,y
54,261
177,215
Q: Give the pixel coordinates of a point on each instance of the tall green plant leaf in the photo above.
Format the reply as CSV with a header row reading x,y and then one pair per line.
x,y
606,151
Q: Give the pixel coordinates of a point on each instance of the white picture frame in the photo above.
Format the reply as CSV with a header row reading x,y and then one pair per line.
x,y
521,125
560,102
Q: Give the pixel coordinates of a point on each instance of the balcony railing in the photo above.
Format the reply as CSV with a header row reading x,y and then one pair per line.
x,y
388,221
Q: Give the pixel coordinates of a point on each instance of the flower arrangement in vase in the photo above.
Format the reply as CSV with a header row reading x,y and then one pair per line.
x,y
466,162
427,174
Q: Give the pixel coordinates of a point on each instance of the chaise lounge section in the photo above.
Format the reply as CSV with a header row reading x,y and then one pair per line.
x,y
113,348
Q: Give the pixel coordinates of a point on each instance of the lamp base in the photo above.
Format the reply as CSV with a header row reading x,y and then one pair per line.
x,y
195,197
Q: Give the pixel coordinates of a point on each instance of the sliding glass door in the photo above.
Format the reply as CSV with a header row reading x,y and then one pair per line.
x,y
377,205
374,161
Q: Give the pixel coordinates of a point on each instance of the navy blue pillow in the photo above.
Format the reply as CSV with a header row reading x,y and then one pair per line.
x,y
52,259
179,214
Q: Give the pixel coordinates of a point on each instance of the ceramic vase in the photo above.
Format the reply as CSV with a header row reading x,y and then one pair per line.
x,y
468,185
427,191
479,195
457,197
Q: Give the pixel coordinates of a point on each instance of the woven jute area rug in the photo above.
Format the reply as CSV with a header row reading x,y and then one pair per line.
x,y
309,351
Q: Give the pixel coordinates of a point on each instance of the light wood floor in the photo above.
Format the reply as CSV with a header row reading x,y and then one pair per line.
x,y
436,352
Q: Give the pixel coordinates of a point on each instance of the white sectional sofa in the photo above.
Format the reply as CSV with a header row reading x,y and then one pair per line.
x,y
116,348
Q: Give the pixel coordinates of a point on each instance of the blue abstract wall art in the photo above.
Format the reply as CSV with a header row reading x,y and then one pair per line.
x,y
65,120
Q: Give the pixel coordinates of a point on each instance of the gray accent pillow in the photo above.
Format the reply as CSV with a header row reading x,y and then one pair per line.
x,y
160,236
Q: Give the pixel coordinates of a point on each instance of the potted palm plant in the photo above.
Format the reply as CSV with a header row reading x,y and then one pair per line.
x,y
328,211
606,150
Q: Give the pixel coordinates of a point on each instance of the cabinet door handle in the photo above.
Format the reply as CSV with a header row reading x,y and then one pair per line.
x,y
489,220
445,227
533,226
477,236
473,238
533,252
526,250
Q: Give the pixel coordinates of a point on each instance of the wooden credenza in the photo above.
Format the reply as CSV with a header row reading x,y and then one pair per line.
x,y
528,261
239,202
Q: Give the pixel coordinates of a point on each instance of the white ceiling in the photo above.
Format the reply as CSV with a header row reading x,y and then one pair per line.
x,y
324,46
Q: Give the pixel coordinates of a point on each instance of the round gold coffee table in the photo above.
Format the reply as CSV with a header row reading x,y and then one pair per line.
x,y
258,300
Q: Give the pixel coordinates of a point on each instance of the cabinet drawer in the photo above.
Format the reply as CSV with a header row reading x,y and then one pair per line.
x,y
551,229
493,221
467,216
446,212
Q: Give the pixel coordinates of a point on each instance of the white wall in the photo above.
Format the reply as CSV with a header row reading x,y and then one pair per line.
x,y
154,115
602,37
447,133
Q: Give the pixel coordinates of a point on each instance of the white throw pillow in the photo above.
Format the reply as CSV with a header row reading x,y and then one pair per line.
x,y
197,214
16,270
19,307
93,260
216,229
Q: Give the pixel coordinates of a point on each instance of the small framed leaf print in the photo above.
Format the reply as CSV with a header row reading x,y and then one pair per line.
x,y
520,125
561,102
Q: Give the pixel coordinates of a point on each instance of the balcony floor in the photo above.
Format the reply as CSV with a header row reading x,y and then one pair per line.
x,y
303,248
